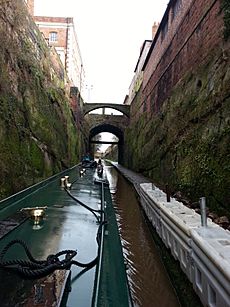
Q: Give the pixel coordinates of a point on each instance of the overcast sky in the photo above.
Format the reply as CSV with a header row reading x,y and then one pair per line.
x,y
110,34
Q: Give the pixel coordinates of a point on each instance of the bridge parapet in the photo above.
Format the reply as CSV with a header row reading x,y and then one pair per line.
x,y
119,121
88,107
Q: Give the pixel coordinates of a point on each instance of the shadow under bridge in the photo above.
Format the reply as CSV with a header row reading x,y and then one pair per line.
x,y
114,122
108,123
112,129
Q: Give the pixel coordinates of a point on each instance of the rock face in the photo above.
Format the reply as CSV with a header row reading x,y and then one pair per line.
x,y
38,136
186,142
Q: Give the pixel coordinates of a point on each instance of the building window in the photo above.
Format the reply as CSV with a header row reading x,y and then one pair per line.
x,y
53,37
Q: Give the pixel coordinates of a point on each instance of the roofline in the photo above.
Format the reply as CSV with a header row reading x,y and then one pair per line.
x,y
142,49
67,19
160,27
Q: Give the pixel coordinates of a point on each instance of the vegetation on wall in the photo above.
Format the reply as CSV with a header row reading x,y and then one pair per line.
x,y
38,137
186,145
226,9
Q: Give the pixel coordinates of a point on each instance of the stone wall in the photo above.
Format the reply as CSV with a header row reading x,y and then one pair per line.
x,y
38,136
181,135
197,35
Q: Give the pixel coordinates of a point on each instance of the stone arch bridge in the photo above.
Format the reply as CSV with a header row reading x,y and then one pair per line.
x,y
98,123
88,107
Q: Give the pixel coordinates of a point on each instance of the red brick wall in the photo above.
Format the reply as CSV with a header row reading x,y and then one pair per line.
x,y
197,36
54,19
173,21
61,33
60,29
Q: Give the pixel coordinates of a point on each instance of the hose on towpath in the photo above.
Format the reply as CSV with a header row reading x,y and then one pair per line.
x,y
34,269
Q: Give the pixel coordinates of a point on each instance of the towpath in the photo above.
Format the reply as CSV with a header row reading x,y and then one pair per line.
x,y
135,178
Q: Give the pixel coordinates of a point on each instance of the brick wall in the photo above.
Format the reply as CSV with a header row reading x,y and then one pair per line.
x,y
163,38
54,24
61,34
66,45
53,19
190,39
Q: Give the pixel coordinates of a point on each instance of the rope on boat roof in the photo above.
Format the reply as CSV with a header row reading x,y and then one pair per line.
x,y
34,269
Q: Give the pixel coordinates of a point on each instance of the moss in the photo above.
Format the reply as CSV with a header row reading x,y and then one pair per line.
x,y
38,136
226,9
36,159
186,144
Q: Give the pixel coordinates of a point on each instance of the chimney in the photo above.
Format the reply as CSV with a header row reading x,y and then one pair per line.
x,y
30,5
154,29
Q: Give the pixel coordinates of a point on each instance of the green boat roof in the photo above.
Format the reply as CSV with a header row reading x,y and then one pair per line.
x,y
67,225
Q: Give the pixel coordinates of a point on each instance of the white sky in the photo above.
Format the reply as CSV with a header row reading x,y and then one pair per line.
x,y
110,34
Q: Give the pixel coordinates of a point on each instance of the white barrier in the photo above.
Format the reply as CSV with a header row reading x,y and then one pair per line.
x,y
203,252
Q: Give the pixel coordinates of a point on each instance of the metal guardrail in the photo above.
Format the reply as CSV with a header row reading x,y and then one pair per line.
x,y
201,246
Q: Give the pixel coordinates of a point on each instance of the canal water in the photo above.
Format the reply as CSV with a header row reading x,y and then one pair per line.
x,y
148,279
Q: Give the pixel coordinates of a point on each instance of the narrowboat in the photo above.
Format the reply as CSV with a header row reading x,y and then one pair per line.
x,y
60,246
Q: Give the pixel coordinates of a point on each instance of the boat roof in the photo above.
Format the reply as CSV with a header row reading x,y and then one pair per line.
x,y
67,225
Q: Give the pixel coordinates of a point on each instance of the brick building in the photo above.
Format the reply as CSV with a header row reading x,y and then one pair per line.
x,y
60,33
138,72
188,32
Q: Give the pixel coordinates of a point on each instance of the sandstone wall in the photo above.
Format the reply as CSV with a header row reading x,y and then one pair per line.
x,y
180,136
197,36
38,137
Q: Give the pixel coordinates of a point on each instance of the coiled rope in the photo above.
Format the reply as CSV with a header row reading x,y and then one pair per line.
x,y
33,268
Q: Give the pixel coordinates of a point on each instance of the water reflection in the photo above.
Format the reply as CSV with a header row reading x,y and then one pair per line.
x,y
112,177
149,283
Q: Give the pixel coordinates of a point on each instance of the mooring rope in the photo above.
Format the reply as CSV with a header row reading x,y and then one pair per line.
x,y
33,268
84,205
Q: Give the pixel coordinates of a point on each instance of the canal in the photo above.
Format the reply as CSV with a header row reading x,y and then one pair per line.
x,y
148,279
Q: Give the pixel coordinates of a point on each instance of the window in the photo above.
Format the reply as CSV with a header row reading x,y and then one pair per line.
x,y
53,37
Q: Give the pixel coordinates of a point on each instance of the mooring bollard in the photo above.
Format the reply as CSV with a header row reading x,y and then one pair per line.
x,y
62,182
203,212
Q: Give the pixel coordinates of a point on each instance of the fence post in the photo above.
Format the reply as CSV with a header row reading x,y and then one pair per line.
x,y
203,212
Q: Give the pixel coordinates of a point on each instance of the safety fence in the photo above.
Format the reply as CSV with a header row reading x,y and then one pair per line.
x,y
203,251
